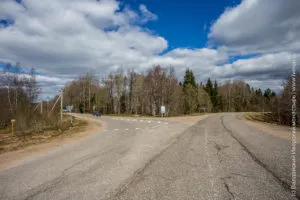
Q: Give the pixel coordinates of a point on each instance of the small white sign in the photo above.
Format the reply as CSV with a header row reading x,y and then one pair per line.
x,y
162,109
69,108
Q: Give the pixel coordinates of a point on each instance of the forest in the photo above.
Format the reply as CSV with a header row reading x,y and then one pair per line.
x,y
132,93
129,92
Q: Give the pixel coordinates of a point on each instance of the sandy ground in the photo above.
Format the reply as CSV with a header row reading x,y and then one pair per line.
x,y
14,158
283,132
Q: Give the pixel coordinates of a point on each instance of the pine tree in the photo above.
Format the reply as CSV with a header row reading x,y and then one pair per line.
x,y
209,87
189,79
190,92
214,97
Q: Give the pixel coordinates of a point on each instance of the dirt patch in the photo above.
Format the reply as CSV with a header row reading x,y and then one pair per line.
x,y
37,144
280,131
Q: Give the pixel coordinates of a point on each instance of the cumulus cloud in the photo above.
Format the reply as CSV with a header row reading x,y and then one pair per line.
x,y
58,37
259,26
63,40
268,66
264,71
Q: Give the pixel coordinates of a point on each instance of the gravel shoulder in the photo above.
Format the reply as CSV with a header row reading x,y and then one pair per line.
x,y
15,158
280,131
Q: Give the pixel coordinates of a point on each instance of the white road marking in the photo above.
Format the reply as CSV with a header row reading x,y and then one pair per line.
x,y
158,122
155,126
137,128
141,120
149,122
126,129
116,129
148,148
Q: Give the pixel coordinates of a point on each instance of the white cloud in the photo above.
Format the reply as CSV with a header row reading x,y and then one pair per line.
x,y
147,15
63,40
58,37
264,71
259,26
271,66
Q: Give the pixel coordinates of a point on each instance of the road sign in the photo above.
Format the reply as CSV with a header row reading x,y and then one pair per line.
x,y
162,109
69,108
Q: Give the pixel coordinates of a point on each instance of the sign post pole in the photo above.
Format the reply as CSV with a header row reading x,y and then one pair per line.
x,y
162,111
12,127
69,109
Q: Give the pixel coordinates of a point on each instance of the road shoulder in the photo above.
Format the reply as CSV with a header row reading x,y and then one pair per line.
x,y
280,131
15,158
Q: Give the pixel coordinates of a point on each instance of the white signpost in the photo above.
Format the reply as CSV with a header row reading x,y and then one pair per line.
x,y
162,110
69,109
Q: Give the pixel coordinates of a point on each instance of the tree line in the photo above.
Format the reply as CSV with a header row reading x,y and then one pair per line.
x,y
20,94
129,92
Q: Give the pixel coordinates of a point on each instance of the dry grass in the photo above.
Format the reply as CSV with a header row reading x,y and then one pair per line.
x,y
255,117
266,117
39,134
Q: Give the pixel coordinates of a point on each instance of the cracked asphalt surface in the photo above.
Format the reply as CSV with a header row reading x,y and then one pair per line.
x,y
217,158
209,162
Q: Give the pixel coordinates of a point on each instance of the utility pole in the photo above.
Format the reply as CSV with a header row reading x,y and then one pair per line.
x,y
61,104
89,98
41,107
8,95
47,105
16,97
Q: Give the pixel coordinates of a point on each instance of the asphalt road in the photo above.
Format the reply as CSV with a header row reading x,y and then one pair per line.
x,y
218,158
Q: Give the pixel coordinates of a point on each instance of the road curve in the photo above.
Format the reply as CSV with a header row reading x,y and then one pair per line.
x,y
94,167
220,157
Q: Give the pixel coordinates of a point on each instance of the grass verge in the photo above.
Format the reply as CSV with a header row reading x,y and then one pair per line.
x,y
8,142
266,117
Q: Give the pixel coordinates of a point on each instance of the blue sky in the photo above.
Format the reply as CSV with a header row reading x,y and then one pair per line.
x,y
249,40
184,23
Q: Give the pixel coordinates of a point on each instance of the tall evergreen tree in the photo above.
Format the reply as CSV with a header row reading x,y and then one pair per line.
x,y
209,87
214,97
190,92
189,79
